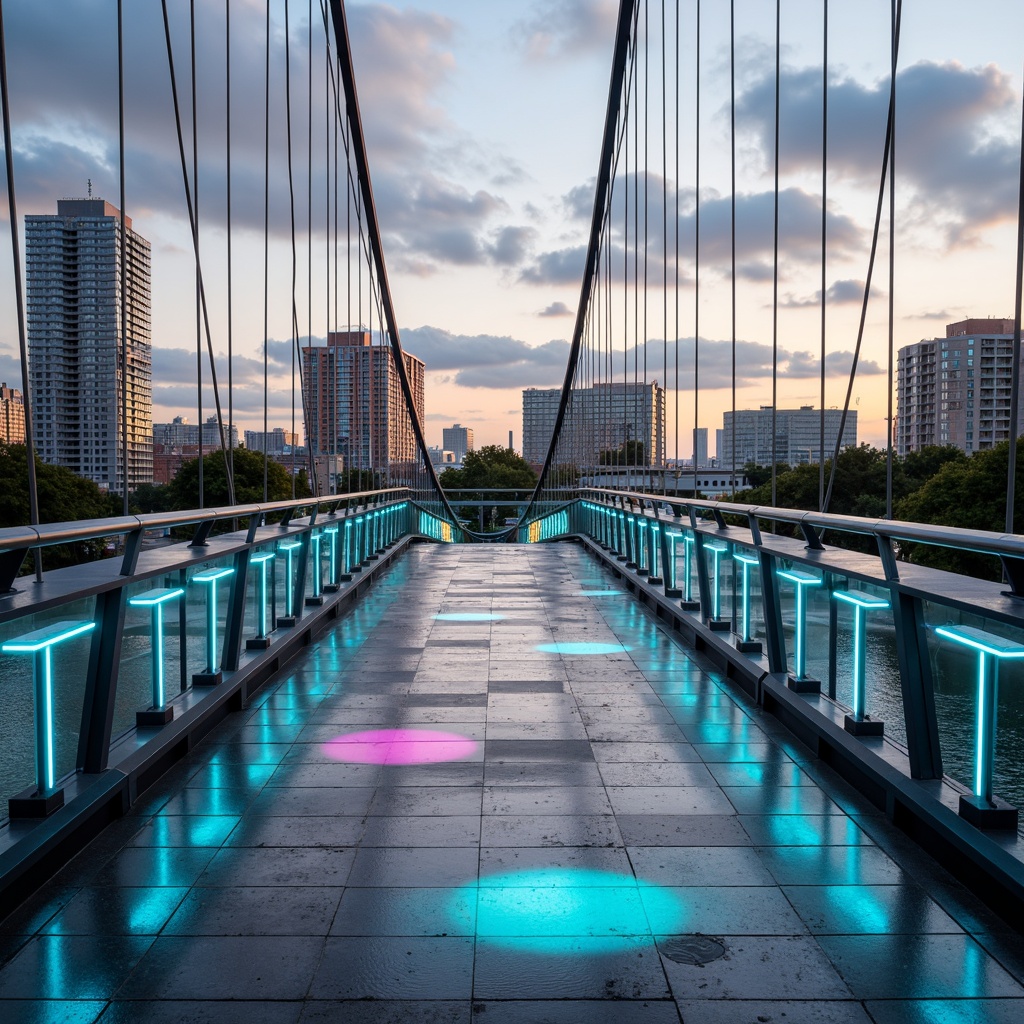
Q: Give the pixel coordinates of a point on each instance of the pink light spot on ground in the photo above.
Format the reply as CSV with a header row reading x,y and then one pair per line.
x,y
400,746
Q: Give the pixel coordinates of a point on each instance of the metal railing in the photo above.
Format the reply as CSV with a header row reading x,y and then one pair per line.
x,y
929,659
94,650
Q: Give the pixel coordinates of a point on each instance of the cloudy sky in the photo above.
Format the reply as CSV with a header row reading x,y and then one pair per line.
x,y
483,124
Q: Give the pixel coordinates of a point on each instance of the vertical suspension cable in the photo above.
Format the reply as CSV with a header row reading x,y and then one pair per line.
x,y
646,460
732,221
664,251
194,226
1011,464
266,267
195,202
696,262
870,275
824,252
775,264
892,273
676,261
318,420
19,294
227,142
123,283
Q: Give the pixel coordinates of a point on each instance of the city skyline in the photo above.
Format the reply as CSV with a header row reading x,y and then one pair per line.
x,y
484,250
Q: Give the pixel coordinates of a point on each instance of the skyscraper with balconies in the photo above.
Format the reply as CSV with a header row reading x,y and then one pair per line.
x,y
82,406
956,390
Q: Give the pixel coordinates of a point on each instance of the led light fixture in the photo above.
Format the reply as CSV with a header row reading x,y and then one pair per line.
x,y
983,808
801,580
860,723
261,641
159,713
716,551
212,578
745,643
40,644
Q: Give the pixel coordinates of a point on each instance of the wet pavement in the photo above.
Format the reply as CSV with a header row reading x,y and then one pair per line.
x,y
500,792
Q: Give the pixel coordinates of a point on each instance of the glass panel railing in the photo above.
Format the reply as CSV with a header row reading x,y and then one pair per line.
x,y
42,691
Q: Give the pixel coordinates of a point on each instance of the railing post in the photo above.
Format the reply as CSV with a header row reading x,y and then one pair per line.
x,y
235,618
101,682
771,604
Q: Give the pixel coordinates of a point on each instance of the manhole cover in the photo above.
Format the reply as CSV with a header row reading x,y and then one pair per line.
x,y
692,949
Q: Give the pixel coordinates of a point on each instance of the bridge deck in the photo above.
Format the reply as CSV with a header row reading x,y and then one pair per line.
x,y
608,837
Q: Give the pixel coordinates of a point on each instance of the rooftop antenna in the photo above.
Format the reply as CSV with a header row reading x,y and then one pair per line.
x,y
88,185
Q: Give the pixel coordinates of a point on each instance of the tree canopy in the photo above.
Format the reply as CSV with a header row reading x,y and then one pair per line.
x,y
490,468
64,497
183,490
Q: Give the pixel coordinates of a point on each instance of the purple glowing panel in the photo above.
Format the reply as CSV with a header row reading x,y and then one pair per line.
x,y
400,746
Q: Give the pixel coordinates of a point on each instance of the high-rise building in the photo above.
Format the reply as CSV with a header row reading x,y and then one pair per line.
x,y
602,418
700,446
179,433
274,442
956,390
798,436
540,409
12,415
80,405
354,402
457,439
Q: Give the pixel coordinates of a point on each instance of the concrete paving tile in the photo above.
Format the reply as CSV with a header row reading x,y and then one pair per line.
x,y
112,911
946,1011
211,1011
215,967
449,831
658,774
79,967
869,909
522,773
504,860
681,830
420,868
831,865
760,968
721,910
757,1011
803,830
395,968
241,910
278,866
700,865
918,967
437,912
569,968
302,830
668,800
614,752
286,801
549,830
386,1011
553,1011
50,1011
533,800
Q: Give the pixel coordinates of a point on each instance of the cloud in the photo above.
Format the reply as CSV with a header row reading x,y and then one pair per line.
x,y
839,293
488,361
63,75
942,315
799,233
557,309
956,149
754,362
556,29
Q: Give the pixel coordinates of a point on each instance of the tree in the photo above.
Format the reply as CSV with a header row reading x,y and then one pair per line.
x,y
970,493
183,490
64,497
490,468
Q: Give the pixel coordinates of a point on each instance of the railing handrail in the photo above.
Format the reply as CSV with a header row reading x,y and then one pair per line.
x,y
990,542
14,538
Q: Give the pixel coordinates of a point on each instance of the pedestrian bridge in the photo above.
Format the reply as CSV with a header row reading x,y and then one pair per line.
x,y
479,782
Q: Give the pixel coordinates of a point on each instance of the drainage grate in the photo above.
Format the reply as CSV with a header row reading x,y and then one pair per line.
x,y
695,950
